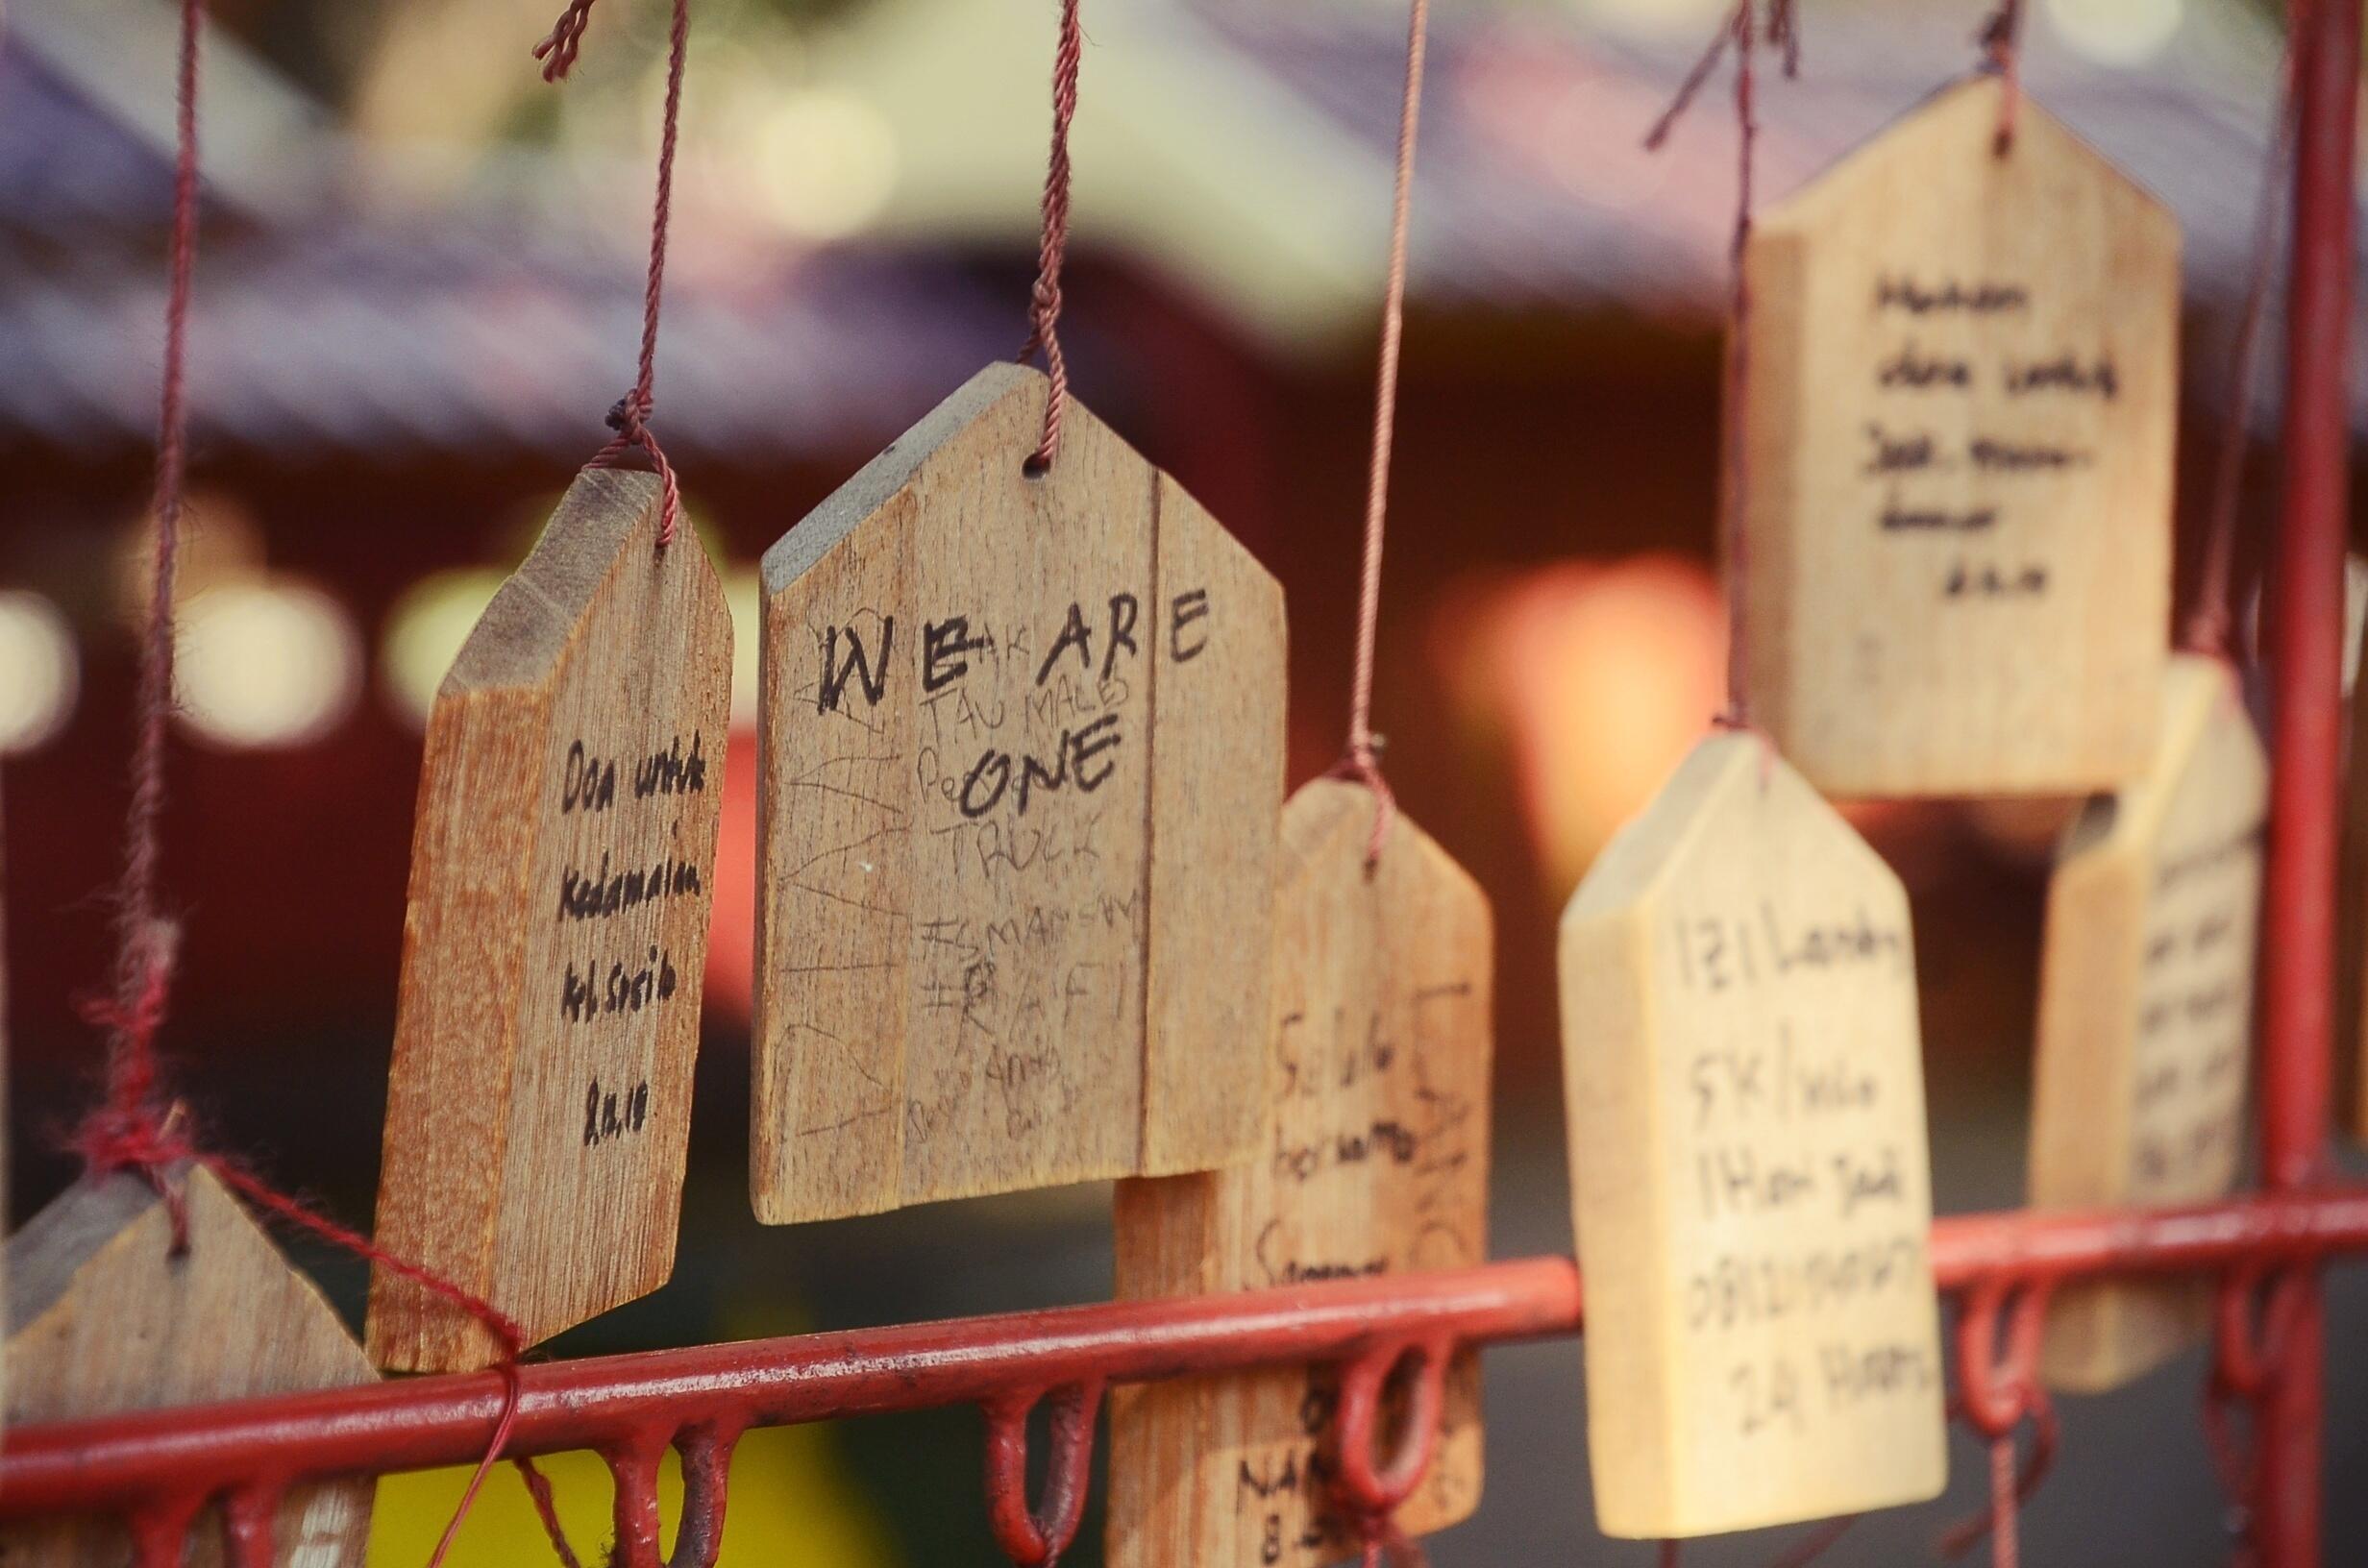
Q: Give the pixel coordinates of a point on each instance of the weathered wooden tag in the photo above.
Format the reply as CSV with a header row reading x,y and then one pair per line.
x,y
1375,1159
103,1318
1747,1120
555,936
1021,740
1958,429
2146,1012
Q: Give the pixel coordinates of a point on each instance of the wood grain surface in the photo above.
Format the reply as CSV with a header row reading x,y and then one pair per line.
x,y
104,1317
2145,1044
1962,381
1742,1066
555,937
1022,742
1375,1159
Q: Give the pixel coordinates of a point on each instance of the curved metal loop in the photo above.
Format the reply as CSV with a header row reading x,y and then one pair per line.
x,y
250,1515
2045,1434
707,1451
1036,1536
1367,1492
160,1530
1995,1391
633,1468
2248,1349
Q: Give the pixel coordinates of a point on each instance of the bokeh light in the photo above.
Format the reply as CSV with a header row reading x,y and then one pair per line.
x,y
423,634
41,671
1600,677
265,663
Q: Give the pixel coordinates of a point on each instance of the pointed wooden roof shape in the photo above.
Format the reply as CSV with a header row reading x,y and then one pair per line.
x,y
104,1316
1022,742
1958,423
1743,1071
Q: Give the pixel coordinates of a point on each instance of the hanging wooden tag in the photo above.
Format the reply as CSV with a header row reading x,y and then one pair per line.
x,y
1021,740
1374,1160
104,1317
1747,1120
1958,429
2146,1013
555,937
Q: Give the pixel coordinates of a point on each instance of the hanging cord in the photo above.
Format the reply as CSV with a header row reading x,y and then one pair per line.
x,y
1362,761
2207,627
1741,33
135,1129
2001,42
2009,1489
630,417
1043,311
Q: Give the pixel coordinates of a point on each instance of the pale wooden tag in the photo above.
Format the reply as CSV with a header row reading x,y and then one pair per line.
x,y
1958,428
1374,1160
1747,1120
103,1318
555,937
1021,740
2146,1012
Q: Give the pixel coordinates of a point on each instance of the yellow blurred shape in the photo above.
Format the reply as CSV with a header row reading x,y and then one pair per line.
x,y
790,1506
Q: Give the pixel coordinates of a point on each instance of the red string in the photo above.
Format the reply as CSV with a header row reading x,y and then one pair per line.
x,y
133,1129
629,418
1363,759
2206,630
2009,1491
1740,32
2238,1465
1044,314
2001,40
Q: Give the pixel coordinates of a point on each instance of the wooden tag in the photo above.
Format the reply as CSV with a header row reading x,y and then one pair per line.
x,y
1746,1119
104,1318
1958,426
1022,742
555,937
2146,1013
1375,1159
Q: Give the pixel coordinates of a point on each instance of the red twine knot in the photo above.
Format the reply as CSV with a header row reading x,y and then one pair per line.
x,y
629,418
1362,765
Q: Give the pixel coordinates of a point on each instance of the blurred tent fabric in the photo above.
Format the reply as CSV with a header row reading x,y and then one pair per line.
x,y
1228,150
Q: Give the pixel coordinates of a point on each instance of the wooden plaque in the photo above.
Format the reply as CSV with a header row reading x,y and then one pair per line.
x,y
1375,1159
1022,742
556,935
1958,427
103,1318
2146,1013
1746,1119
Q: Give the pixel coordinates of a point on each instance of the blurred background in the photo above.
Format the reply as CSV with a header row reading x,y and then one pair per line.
x,y
418,292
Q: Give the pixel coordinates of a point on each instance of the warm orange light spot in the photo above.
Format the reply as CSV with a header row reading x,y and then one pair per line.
x,y
1600,677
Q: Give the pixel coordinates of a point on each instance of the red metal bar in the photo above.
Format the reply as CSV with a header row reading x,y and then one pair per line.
x,y
624,1404
2298,923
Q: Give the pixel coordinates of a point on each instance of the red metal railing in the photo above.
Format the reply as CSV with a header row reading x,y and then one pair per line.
x,y
160,1468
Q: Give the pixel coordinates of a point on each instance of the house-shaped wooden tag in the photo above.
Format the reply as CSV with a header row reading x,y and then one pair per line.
x,y
1022,742
1747,1120
1374,1160
2146,1013
555,936
1958,436
104,1316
